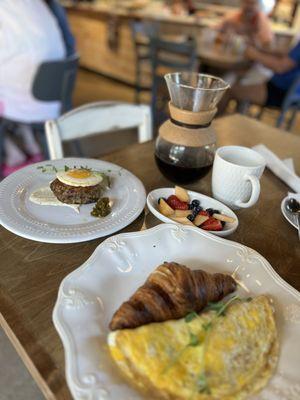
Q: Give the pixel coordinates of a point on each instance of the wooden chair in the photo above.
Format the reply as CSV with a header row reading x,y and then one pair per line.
x,y
141,32
169,56
97,118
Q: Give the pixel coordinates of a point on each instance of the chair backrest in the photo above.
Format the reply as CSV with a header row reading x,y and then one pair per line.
x,y
144,29
55,80
97,118
142,32
172,56
180,56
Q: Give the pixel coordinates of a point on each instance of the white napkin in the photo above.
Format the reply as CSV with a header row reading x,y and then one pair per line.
x,y
289,162
282,169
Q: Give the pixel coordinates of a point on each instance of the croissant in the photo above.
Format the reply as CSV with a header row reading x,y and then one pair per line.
x,y
171,292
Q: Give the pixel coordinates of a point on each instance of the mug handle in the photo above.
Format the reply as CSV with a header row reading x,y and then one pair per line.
x,y
254,194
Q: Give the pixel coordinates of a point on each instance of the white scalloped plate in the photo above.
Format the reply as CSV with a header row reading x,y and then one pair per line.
x,y
89,296
53,224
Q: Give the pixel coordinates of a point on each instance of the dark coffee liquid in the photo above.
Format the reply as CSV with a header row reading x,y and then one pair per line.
x,y
179,174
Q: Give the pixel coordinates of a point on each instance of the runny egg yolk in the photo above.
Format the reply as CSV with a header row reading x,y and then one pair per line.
x,y
79,173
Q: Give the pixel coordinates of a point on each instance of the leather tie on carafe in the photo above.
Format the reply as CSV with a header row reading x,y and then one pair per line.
x,y
188,128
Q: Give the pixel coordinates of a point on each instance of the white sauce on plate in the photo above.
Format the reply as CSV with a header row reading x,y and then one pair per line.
x,y
45,197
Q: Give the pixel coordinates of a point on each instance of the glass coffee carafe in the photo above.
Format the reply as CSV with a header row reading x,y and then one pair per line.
x,y
185,146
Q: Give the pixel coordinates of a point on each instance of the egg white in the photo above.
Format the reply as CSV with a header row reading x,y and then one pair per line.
x,y
93,179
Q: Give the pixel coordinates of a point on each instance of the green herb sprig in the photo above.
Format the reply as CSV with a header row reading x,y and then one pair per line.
x,y
194,340
220,307
190,316
202,384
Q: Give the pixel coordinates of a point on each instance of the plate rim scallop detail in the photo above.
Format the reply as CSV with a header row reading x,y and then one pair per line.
x,y
95,389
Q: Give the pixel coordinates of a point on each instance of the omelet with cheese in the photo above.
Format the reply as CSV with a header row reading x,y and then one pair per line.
x,y
228,352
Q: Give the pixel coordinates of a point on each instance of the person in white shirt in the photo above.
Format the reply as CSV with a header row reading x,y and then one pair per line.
x,y
29,35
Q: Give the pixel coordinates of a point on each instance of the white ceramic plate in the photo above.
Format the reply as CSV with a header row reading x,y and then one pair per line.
x,y
53,224
89,296
205,202
292,219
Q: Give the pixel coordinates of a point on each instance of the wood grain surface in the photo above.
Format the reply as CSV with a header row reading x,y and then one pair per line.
x,y
30,272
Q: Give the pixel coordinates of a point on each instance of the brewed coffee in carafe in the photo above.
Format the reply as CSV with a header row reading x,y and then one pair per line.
x,y
185,146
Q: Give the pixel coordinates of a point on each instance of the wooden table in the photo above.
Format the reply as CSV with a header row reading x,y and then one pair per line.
x,y
216,56
30,272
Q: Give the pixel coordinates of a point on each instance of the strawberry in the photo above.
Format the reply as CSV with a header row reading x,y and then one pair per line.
x,y
177,204
204,213
212,224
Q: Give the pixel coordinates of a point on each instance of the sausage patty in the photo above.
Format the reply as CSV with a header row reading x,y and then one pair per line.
x,y
75,194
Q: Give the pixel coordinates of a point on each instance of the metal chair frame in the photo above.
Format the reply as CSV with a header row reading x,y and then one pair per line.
x,y
141,32
166,54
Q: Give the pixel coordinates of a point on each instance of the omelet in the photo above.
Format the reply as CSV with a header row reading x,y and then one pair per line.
x,y
226,353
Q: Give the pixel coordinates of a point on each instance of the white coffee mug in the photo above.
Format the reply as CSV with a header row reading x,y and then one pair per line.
x,y
236,174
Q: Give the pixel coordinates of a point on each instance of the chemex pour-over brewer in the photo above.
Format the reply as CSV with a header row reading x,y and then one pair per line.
x,y
185,146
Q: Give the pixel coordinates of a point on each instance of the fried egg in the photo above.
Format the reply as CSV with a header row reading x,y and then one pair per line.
x,y
79,177
210,357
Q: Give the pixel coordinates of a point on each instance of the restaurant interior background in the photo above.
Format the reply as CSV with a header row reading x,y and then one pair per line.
x,y
111,41
116,64
110,47
119,60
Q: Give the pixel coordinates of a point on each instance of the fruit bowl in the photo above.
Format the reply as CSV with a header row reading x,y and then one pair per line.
x,y
206,202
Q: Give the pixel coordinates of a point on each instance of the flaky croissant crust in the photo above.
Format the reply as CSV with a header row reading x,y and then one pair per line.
x,y
171,292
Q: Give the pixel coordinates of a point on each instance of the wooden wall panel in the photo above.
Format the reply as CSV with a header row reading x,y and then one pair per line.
x,y
92,42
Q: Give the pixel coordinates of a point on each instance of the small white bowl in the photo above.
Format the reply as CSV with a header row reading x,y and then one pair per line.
x,y
205,202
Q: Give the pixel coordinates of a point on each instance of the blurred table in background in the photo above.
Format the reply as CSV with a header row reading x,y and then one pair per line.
x,y
31,272
215,56
104,35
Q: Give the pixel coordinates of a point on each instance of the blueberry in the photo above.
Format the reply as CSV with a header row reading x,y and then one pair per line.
x,y
210,211
217,212
223,223
196,210
160,199
191,217
195,203
191,206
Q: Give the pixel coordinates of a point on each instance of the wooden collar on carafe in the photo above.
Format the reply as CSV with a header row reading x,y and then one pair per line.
x,y
190,119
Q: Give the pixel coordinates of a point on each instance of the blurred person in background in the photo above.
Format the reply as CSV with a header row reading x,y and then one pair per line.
x,y
248,26
181,7
251,22
175,7
285,69
31,32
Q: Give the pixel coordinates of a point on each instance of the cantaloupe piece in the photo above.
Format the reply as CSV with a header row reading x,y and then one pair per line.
x,y
182,220
222,217
182,194
182,213
164,208
200,219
